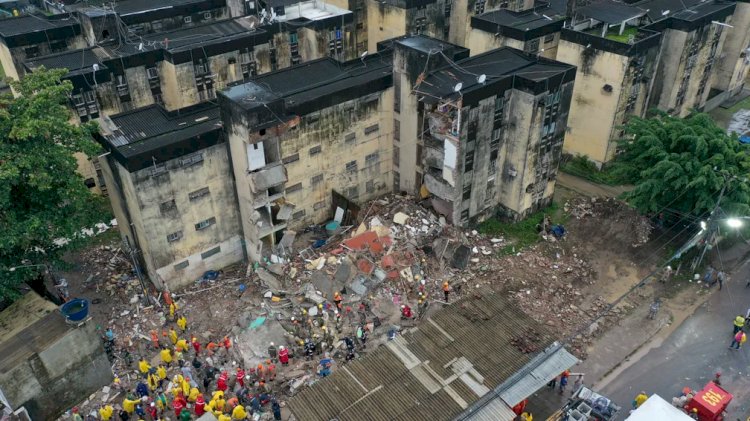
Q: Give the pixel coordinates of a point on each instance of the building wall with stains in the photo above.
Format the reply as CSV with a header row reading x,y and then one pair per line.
x,y
461,12
734,62
480,41
183,215
384,21
687,68
12,58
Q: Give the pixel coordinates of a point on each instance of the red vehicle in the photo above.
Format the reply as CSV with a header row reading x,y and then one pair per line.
x,y
711,402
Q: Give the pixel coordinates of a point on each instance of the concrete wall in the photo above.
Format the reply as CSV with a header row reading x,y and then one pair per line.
x,y
593,109
54,378
12,59
383,22
479,41
732,67
145,196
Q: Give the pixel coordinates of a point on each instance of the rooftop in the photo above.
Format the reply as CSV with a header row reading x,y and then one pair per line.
x,y
517,25
426,44
157,134
610,12
311,82
130,7
656,8
495,64
311,10
182,39
432,372
76,61
32,23
27,326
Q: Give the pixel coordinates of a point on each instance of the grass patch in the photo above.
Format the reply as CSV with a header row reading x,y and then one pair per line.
x,y
625,37
580,166
524,233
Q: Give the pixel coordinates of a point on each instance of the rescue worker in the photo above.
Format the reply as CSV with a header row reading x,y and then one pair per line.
x,y
276,408
143,366
446,290
406,312
181,345
172,310
240,377
309,349
221,384
739,323
196,344
75,415
283,355
173,336
739,339
238,413
178,404
271,369
182,322
337,299
105,412
639,399
200,403
272,352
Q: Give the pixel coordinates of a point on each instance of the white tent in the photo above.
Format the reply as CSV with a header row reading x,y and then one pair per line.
x,y
657,409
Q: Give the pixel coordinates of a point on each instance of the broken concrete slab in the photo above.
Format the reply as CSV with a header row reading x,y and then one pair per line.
x,y
268,279
344,272
252,344
323,283
400,218
357,285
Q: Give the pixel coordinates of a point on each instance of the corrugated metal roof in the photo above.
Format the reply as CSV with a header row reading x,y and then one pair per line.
x,y
545,368
496,410
433,372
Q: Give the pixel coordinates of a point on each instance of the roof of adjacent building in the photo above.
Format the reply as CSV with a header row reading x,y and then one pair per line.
x,y
26,326
431,372
31,23
609,11
685,10
314,85
130,7
496,65
524,25
76,61
151,134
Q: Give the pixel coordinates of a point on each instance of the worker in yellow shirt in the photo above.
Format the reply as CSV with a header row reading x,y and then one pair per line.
x,y
172,310
193,395
182,323
153,381
239,413
224,417
639,399
105,412
161,371
143,366
166,356
173,336
181,345
129,405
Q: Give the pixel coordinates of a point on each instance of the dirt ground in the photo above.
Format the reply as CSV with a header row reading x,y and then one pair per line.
x,y
379,265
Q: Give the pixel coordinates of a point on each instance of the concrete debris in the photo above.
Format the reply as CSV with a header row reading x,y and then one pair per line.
x,y
400,218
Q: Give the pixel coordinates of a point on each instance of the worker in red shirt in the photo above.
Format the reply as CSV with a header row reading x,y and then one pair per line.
x,y
283,355
200,404
221,384
178,403
406,312
271,370
240,376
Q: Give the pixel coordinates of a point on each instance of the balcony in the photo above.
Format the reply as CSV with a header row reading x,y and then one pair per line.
x,y
267,177
438,186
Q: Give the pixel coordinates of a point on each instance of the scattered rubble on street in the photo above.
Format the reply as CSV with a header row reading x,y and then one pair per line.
x,y
397,254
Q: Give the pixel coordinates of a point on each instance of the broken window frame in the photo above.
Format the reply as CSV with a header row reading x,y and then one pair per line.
x,y
175,236
206,223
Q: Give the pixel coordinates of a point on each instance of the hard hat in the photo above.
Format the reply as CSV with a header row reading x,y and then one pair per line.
x,y
403,306
304,311
281,347
445,284
293,318
320,305
271,343
422,281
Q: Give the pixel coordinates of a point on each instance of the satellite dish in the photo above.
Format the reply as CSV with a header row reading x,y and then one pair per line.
x,y
665,13
140,47
458,87
482,78
363,55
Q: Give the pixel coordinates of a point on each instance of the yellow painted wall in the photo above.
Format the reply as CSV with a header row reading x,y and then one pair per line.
x,y
383,22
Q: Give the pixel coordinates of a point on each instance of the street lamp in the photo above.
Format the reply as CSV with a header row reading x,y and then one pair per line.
x,y
734,223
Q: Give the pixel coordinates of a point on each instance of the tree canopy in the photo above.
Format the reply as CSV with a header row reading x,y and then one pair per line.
x,y
683,164
42,197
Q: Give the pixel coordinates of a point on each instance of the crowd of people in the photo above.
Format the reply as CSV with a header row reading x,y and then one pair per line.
x,y
189,379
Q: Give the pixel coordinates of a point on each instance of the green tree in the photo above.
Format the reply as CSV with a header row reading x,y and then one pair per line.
x,y
683,164
42,197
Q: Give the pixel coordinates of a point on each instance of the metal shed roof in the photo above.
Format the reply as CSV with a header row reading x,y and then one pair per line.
x,y
432,372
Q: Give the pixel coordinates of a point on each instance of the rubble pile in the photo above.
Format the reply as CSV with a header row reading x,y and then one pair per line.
x,y
615,212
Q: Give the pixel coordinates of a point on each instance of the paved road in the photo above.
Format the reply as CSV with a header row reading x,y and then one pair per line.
x,y
693,352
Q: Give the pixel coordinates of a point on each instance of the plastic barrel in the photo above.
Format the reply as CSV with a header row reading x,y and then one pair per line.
x,y
75,310
332,227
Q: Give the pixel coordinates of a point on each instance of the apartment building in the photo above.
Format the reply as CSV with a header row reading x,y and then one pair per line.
x,y
462,13
616,57
494,136
171,188
307,142
390,19
734,61
692,44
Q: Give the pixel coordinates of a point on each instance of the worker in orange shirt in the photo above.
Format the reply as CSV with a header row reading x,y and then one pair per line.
x,y
446,290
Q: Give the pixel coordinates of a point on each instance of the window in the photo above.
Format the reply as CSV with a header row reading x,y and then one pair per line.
x,y
447,9
532,46
420,25
372,129
279,10
469,161
198,194
479,7
467,192
152,73
291,158
370,186
549,38
192,159
299,214
352,192
350,138
89,182
465,215
175,236
122,86
181,265
209,253
293,39
294,188
396,130
205,224
188,19
351,166
316,179
158,169
232,60
319,205
32,52
372,159
167,206
315,150
206,15
397,94
396,156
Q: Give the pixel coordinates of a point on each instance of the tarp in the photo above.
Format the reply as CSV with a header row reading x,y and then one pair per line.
x,y
656,408
710,401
